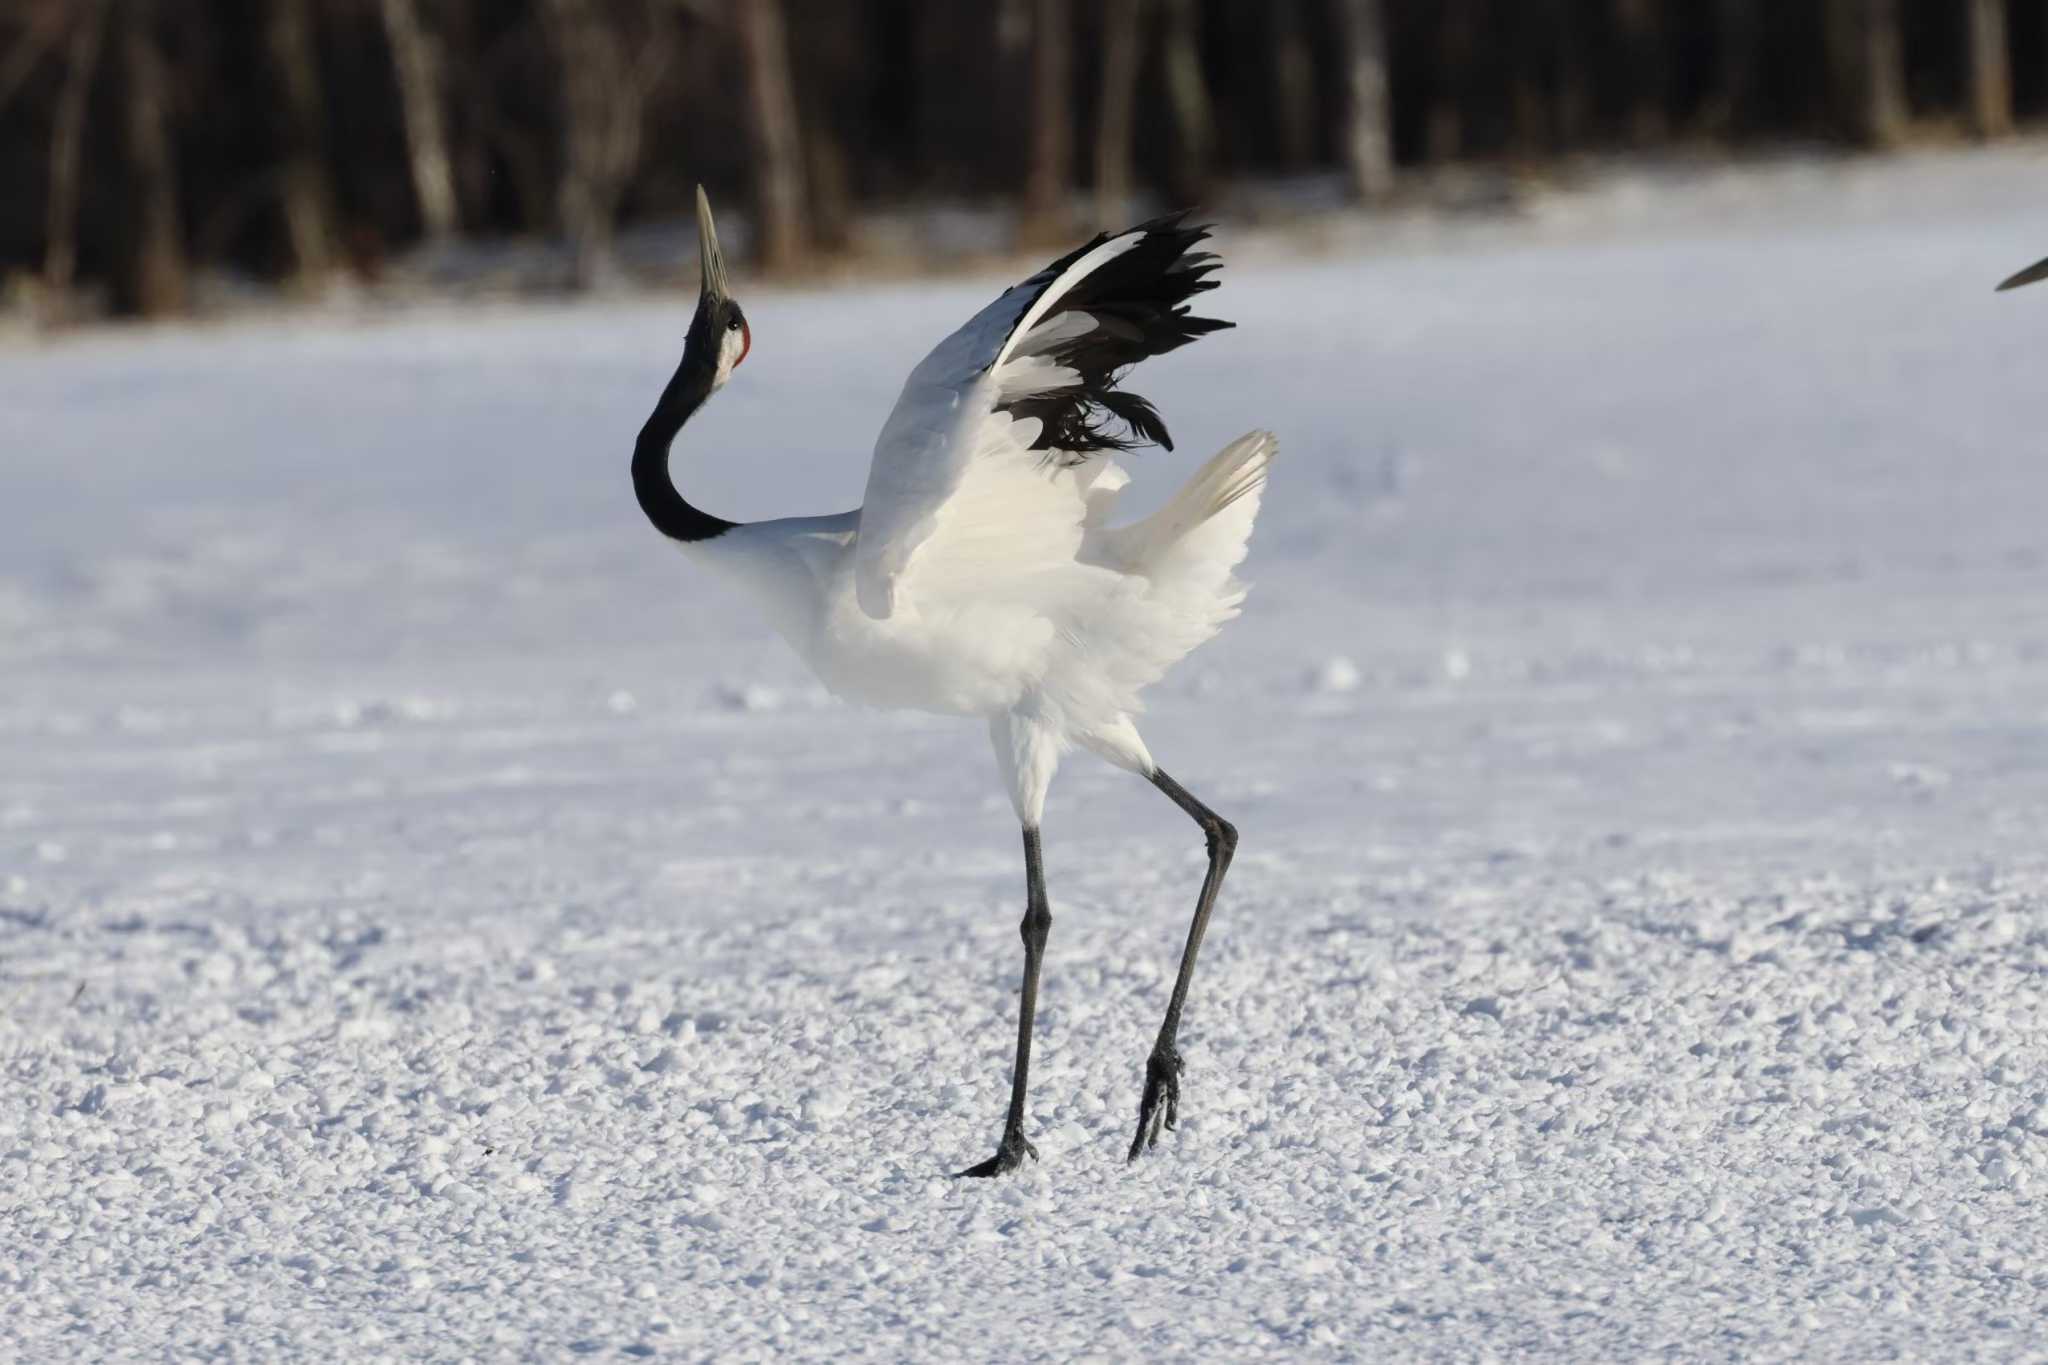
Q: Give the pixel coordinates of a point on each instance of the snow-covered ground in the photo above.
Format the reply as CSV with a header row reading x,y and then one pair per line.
x,y
433,923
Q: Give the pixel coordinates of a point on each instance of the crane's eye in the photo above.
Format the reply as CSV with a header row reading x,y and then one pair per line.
x,y
733,326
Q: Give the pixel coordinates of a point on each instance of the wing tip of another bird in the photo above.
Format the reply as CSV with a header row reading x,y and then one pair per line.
x,y
2033,274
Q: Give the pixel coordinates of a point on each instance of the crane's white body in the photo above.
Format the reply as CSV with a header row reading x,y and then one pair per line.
x,y
982,578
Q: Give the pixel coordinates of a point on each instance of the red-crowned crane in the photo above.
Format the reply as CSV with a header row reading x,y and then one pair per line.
x,y
2032,274
981,576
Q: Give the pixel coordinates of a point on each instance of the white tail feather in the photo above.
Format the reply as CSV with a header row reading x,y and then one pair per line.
x,y
1179,588
1205,525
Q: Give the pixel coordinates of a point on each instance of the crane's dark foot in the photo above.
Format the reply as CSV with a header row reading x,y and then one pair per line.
x,y
1161,1105
1009,1156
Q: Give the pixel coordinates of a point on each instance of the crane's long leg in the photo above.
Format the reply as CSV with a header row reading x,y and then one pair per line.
x,y
1161,1101
1037,921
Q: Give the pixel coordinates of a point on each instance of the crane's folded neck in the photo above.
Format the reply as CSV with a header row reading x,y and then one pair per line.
x,y
672,514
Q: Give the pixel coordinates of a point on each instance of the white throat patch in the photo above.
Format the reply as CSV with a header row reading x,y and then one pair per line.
x,y
731,345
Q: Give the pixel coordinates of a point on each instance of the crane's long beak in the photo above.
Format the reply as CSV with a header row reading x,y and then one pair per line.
x,y
707,245
2037,271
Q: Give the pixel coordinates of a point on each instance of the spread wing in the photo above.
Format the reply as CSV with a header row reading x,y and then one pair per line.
x,y
998,447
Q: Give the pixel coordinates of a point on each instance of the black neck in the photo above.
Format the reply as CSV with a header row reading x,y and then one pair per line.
x,y
670,512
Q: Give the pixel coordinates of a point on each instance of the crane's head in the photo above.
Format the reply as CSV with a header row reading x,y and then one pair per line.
x,y
719,338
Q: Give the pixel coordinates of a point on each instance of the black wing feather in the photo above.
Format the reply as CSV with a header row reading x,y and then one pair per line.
x,y
2033,274
1139,302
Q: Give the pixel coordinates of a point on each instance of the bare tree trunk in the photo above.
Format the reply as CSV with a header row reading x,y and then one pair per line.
x,y
416,59
1990,70
1052,127
1574,116
605,89
308,196
1890,113
831,189
1648,79
1294,85
1446,127
1868,57
67,154
830,102
1011,139
159,278
1368,110
777,138
591,68
1530,135
1120,21
40,33
1188,94
1886,48
1737,46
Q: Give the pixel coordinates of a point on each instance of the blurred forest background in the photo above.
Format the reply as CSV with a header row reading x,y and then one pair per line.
x,y
157,152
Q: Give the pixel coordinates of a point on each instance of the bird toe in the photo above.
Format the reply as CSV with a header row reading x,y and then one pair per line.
x,y
1009,1156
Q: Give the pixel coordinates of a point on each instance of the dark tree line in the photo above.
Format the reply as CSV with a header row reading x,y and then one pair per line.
x,y
302,140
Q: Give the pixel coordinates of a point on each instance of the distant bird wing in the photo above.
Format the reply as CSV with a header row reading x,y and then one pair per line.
x,y
999,440
2033,273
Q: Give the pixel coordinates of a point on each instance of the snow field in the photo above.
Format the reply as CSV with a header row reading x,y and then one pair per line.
x,y
433,924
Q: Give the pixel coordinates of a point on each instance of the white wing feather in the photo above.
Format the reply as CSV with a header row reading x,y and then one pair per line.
x,y
948,458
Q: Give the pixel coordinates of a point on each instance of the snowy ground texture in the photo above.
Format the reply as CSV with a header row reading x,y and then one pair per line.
x,y
435,924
